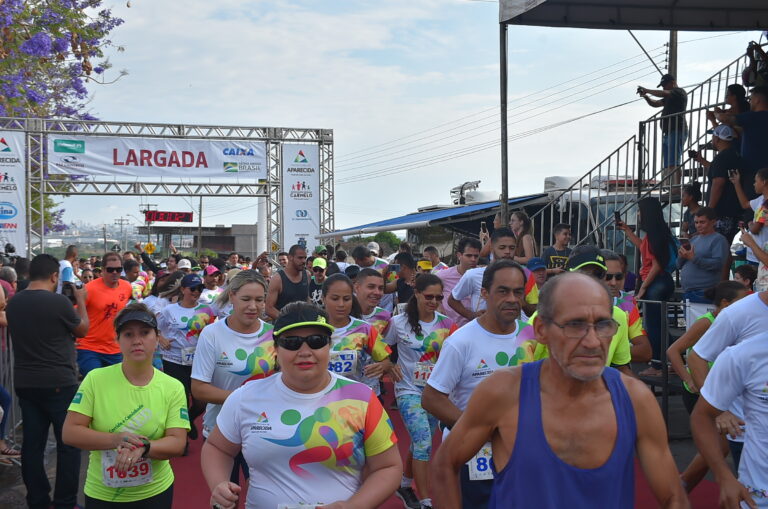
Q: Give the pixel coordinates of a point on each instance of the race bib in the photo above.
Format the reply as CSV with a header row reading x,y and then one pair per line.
x,y
137,475
187,355
343,362
480,465
421,373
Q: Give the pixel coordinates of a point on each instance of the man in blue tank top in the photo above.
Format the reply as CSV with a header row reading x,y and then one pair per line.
x,y
563,430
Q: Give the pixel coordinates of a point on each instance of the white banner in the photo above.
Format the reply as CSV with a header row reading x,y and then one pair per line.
x,y
300,180
13,191
112,156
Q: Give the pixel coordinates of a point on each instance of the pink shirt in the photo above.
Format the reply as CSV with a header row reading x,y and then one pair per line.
x,y
450,277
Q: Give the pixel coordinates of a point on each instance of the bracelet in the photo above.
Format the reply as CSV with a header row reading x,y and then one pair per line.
x,y
147,446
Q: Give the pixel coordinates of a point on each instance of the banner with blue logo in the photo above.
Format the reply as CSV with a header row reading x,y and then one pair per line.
x,y
300,181
13,191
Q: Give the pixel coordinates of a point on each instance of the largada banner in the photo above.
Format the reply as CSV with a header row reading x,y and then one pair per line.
x,y
300,181
13,191
108,156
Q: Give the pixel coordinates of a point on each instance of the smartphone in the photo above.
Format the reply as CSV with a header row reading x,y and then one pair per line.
x,y
394,267
732,173
686,244
617,216
692,154
742,225
483,228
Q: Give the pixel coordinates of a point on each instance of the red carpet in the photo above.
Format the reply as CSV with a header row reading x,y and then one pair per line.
x,y
191,491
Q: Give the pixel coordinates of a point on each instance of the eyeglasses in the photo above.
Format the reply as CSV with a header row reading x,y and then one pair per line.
x,y
618,276
438,297
293,343
577,330
113,269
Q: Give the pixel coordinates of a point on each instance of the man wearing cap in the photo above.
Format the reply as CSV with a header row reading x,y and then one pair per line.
x,y
184,266
107,295
538,268
290,284
721,194
211,277
674,130
588,260
319,265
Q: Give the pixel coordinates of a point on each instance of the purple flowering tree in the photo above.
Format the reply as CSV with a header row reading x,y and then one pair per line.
x,y
49,51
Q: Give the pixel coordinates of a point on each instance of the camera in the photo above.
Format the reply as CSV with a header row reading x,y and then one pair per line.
x,y
68,289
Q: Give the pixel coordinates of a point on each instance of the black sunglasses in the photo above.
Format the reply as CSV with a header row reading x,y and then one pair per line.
x,y
293,343
317,269
113,269
618,276
438,297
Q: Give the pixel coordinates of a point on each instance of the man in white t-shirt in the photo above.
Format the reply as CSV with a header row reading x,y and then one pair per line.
x,y
211,276
67,267
740,321
497,339
467,254
741,373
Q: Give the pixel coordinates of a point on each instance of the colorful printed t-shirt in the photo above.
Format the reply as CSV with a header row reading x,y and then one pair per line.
x,y
379,318
115,405
103,304
227,359
208,297
417,355
626,302
472,353
355,346
182,326
618,351
440,266
308,448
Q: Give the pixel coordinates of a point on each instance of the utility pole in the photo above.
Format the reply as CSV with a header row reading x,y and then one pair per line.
x,y
672,66
121,221
200,227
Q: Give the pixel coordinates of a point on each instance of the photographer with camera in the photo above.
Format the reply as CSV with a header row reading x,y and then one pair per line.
x,y
43,326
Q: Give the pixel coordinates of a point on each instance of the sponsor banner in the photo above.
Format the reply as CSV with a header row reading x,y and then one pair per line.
x,y
157,157
13,191
300,181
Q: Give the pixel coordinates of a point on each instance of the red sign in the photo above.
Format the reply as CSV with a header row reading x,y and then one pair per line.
x,y
152,216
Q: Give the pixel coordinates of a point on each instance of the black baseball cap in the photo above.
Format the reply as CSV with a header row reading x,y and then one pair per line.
x,y
666,79
138,315
301,315
587,255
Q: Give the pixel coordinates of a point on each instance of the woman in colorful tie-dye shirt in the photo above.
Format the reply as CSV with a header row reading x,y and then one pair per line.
x,y
357,349
419,334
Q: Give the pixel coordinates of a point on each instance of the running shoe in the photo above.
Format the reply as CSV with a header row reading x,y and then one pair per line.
x,y
409,498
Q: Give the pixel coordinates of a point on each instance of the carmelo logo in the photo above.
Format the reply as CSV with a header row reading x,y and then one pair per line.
x,y
69,146
300,157
230,167
7,210
4,146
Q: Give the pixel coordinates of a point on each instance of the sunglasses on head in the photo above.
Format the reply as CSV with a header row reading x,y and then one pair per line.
x,y
618,276
293,343
438,297
113,269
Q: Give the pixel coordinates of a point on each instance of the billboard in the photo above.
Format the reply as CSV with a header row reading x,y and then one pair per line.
x,y
13,191
300,182
111,156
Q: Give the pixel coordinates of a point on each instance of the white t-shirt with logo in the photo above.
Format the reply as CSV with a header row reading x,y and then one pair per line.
x,y
470,285
304,448
227,359
416,355
741,372
182,326
472,354
208,297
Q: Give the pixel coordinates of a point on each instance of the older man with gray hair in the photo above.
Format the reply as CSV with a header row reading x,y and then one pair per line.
x,y
574,444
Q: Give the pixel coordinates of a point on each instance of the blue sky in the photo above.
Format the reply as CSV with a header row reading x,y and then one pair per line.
x,y
382,71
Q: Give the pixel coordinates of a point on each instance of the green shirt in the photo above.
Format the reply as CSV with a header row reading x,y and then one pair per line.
x,y
115,405
709,316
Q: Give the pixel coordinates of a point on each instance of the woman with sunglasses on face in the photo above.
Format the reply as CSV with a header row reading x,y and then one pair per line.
x,y
180,325
306,433
419,334
358,351
133,418
234,350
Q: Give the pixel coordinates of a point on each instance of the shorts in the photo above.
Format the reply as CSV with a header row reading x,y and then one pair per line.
x,y
728,227
672,144
419,423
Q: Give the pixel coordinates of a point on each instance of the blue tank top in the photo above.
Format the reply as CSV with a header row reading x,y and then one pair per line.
x,y
536,477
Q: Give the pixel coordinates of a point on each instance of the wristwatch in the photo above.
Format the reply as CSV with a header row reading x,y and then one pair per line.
x,y
146,444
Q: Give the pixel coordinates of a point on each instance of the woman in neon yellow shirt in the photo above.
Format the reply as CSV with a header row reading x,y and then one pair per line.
x,y
133,418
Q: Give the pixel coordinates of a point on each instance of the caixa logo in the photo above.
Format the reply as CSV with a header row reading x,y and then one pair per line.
x,y
7,210
302,213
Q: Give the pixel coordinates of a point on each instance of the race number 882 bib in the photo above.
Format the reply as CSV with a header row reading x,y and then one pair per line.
x,y
344,362
138,474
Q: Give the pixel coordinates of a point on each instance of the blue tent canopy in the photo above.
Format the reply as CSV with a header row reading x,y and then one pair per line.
x,y
426,218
